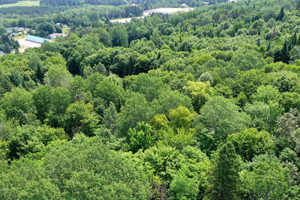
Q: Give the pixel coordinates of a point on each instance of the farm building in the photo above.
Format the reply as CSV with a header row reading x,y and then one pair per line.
x,y
36,39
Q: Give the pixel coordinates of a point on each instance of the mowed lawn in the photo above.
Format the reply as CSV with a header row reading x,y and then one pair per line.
x,y
21,3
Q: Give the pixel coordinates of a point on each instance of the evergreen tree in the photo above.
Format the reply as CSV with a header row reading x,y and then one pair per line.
x,y
294,39
269,46
224,179
111,117
130,67
281,15
39,73
285,53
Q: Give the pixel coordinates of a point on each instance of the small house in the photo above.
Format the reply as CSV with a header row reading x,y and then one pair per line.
x,y
2,53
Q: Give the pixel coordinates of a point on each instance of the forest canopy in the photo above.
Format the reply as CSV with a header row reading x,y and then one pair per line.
x,y
197,105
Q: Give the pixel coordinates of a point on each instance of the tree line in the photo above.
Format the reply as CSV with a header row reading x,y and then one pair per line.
x,y
8,1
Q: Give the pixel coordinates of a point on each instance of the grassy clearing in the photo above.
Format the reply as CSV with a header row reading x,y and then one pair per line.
x,y
21,3
66,30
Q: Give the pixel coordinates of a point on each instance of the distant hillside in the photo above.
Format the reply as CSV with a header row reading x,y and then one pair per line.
x,y
81,2
8,1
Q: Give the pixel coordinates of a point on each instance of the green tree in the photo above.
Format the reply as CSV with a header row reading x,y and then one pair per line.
x,y
24,180
159,121
41,99
266,94
281,15
135,110
285,55
183,186
170,100
290,100
58,76
244,61
199,92
251,142
224,181
142,64
60,99
141,85
177,138
82,169
80,118
109,92
119,36
141,137
221,116
181,117
21,23
18,104
264,116
111,118
265,178
30,139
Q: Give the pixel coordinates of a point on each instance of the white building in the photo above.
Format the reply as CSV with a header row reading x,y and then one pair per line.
x,y
55,35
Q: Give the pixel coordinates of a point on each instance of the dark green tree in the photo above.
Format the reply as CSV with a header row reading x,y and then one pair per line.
x,y
294,39
269,46
285,57
281,15
224,180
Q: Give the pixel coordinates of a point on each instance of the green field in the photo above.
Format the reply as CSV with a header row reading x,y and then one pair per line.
x,y
21,3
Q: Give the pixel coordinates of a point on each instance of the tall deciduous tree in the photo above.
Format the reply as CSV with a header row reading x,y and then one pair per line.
x,y
221,116
119,36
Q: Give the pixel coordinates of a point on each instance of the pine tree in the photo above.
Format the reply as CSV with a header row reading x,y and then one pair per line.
x,y
290,46
111,117
224,180
281,15
269,46
130,66
258,42
294,39
39,73
285,53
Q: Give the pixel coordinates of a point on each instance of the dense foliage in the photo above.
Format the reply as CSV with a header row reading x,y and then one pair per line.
x,y
7,44
197,105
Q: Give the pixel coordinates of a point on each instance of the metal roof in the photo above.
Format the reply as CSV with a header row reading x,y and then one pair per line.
x,y
39,39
